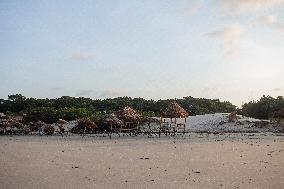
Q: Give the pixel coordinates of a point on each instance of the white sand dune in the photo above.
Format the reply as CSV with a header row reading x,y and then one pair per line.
x,y
219,123
212,123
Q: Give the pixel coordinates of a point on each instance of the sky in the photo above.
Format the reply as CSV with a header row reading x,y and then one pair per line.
x,y
232,50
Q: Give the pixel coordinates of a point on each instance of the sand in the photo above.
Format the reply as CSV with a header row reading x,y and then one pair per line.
x,y
197,161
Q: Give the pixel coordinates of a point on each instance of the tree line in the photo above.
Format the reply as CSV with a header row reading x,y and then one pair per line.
x,y
72,108
264,108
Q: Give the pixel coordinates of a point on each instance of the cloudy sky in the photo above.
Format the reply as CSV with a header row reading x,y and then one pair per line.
x,y
227,49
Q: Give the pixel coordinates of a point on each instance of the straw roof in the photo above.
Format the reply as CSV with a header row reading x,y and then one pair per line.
x,y
128,114
84,126
174,110
111,120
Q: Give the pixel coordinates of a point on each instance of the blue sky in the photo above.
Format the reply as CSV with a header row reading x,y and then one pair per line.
x,y
227,49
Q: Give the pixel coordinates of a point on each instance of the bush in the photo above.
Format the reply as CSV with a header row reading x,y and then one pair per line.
x,y
263,108
50,115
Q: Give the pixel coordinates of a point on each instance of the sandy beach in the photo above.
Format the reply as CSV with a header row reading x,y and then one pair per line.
x,y
196,161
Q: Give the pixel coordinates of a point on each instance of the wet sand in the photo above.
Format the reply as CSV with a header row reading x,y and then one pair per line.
x,y
199,161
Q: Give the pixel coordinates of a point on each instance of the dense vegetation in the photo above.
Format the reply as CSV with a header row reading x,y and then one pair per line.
x,y
263,108
71,108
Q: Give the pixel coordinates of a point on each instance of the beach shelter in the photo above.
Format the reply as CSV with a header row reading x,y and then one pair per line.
x,y
174,110
3,122
128,114
111,121
61,123
84,126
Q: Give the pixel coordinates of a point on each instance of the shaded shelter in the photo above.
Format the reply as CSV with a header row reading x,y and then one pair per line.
x,y
174,110
111,121
61,123
128,114
83,126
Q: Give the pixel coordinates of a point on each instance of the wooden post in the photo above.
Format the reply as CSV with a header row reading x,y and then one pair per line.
x,y
110,130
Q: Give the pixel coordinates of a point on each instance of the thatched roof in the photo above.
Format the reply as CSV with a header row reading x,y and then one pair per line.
x,y
84,126
174,111
112,120
128,114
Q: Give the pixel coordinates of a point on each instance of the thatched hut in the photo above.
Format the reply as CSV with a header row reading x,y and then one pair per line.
x,y
34,127
111,121
83,126
11,126
4,125
3,122
48,130
128,114
16,124
61,127
278,115
174,110
232,117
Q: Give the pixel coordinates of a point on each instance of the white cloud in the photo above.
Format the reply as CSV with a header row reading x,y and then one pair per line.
x,y
229,34
230,37
238,6
81,56
268,19
271,21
